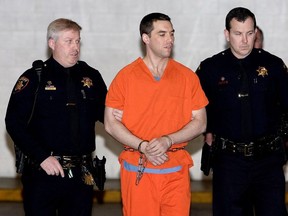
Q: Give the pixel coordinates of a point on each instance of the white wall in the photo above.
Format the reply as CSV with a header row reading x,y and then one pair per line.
x,y
110,40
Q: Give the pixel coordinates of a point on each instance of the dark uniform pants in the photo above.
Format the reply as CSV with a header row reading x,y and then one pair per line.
x,y
242,186
53,195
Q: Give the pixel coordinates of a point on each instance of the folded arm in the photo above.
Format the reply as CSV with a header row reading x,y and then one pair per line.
x,y
194,128
115,128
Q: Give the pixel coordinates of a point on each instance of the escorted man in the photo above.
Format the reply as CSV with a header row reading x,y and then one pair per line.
x,y
163,108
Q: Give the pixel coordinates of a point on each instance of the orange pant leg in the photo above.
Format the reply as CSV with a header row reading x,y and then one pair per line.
x,y
176,194
156,194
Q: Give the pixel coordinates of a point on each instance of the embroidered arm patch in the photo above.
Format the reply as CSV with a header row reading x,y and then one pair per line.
x,y
21,84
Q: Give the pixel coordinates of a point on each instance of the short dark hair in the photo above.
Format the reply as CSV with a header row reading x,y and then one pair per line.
x,y
240,14
146,24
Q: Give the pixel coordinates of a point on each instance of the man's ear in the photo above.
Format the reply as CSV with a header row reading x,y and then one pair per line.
x,y
51,43
145,38
227,34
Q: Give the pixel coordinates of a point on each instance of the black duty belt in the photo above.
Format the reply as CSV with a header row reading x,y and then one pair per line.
x,y
256,148
66,161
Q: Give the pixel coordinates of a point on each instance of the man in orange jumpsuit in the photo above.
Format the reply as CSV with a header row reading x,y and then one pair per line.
x,y
163,108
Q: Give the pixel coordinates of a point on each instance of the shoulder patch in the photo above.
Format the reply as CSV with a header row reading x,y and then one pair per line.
x,y
21,84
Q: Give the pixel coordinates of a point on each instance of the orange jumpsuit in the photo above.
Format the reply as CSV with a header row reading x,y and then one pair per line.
x,y
151,109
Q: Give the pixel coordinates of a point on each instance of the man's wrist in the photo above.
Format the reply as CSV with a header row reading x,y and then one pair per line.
x,y
140,144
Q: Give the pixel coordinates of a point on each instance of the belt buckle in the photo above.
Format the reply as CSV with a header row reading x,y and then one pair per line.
x,y
248,150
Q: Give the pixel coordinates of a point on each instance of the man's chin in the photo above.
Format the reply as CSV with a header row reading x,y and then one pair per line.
x,y
74,61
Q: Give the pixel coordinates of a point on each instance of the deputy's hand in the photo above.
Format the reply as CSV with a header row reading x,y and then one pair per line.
x,y
52,166
208,138
118,114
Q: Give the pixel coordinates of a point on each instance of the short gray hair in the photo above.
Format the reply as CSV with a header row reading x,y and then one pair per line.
x,y
59,25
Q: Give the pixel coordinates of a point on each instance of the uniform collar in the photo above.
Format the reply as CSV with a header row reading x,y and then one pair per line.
x,y
51,61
